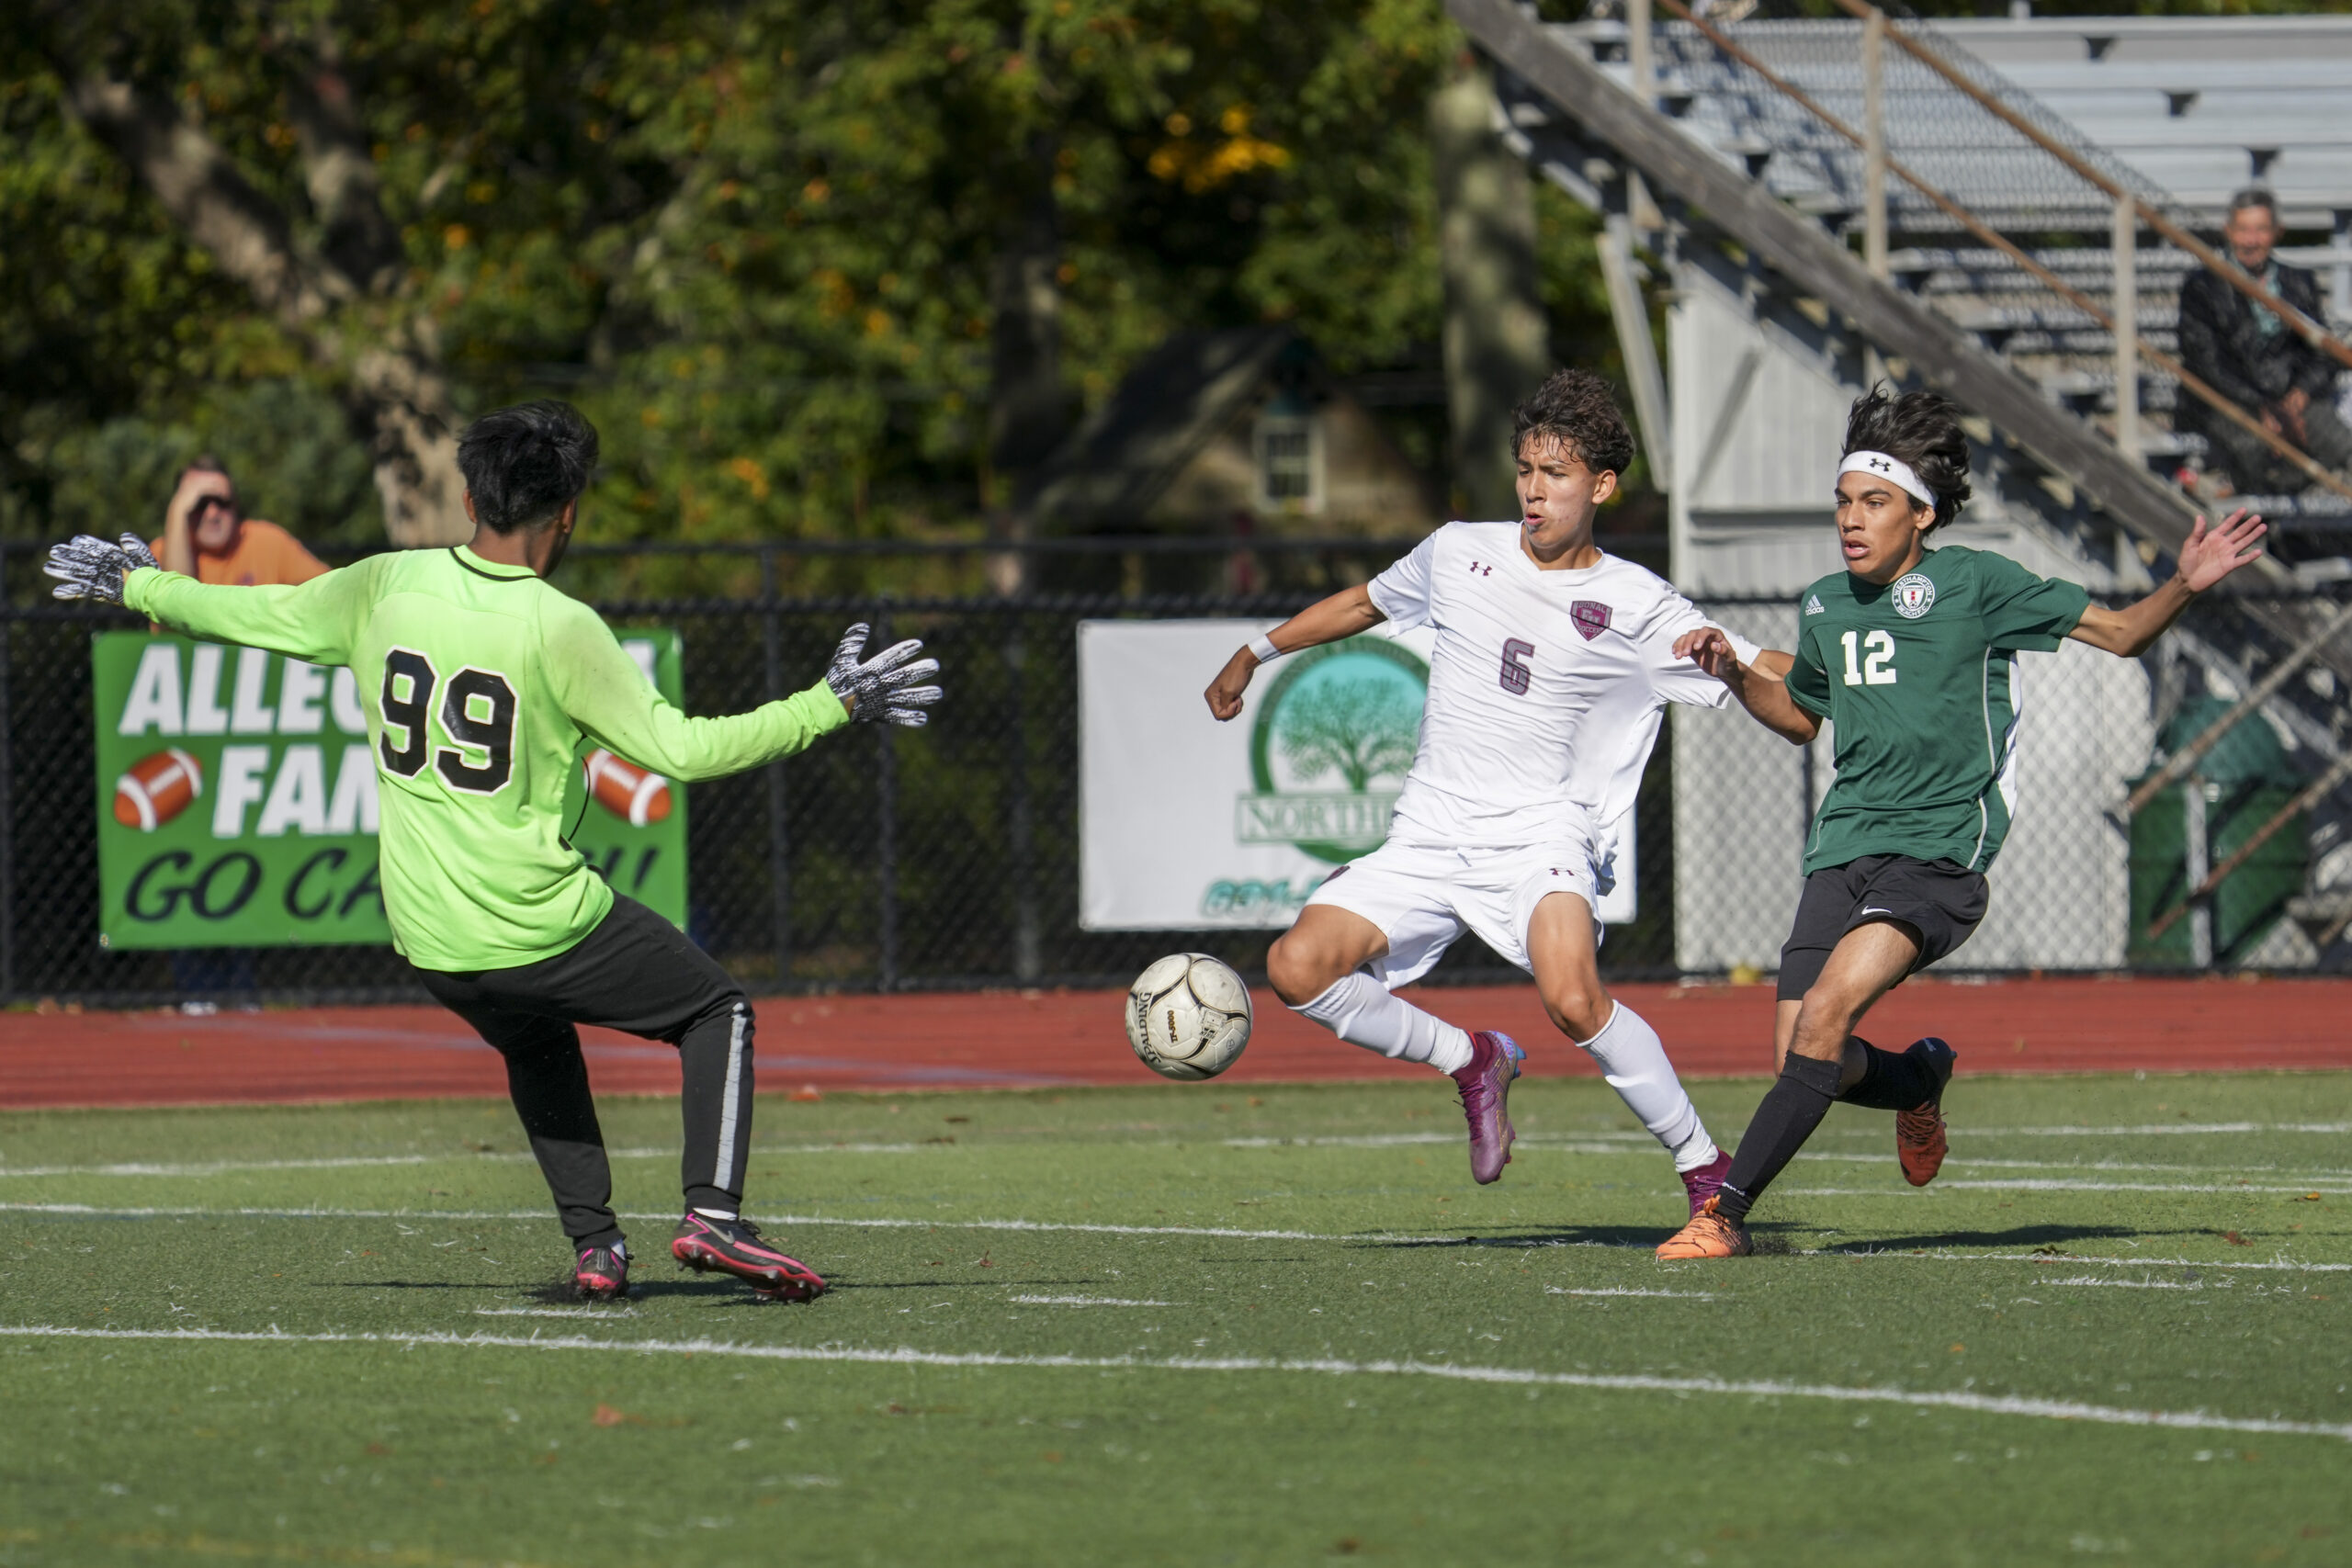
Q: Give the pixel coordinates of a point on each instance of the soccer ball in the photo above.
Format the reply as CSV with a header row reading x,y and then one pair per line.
x,y
1188,1016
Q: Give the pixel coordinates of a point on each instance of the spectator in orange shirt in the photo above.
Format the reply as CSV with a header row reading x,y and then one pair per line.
x,y
205,538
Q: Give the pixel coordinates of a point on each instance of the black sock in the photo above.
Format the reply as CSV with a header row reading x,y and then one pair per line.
x,y
1793,1107
1892,1080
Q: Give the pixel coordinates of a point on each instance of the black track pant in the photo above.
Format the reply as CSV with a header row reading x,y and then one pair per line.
x,y
638,974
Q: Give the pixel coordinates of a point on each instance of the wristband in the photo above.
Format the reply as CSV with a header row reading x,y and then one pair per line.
x,y
1263,646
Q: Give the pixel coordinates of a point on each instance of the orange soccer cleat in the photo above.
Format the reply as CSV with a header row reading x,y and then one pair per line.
x,y
1919,1141
1708,1234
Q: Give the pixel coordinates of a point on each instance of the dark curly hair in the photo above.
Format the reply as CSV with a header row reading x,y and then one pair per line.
x,y
1576,407
1923,430
525,464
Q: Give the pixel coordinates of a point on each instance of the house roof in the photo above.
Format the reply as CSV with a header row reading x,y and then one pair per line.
x,y
1116,464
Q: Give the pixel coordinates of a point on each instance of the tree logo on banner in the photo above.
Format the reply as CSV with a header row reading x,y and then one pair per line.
x,y
1334,735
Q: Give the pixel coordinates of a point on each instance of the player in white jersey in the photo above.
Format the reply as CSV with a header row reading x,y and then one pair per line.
x,y
1553,663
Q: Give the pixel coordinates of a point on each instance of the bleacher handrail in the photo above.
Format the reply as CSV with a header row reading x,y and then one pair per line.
x,y
2197,385
2310,332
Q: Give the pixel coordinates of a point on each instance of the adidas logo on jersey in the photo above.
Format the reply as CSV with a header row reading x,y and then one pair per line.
x,y
1813,605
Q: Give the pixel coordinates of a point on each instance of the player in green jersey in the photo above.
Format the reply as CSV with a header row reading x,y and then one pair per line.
x,y
484,686
1911,654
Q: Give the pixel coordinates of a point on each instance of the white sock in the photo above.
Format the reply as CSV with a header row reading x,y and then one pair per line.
x,y
1362,1011
1633,1060
715,1214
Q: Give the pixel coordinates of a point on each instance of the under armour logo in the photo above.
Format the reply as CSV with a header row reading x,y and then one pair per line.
x,y
1881,465
1477,571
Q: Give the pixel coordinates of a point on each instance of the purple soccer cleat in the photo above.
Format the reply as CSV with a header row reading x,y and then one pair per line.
x,y
1486,1100
1706,1182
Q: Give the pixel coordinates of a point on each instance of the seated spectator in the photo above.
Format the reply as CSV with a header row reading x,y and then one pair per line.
x,y
2249,355
205,538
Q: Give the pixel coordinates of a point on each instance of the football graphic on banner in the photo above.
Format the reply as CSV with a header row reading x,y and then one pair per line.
x,y
158,787
627,790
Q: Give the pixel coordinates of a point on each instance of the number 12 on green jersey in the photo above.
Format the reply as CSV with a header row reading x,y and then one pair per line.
x,y
1878,668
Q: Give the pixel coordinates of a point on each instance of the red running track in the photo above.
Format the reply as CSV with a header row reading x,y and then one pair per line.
x,y
1010,1040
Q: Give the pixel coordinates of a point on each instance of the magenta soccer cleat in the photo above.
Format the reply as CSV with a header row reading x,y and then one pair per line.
x,y
733,1247
601,1273
1706,1182
1486,1101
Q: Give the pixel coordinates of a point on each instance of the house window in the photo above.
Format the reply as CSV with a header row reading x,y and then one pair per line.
x,y
1290,464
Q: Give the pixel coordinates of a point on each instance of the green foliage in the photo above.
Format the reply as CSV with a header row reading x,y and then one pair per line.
x,y
289,446
753,240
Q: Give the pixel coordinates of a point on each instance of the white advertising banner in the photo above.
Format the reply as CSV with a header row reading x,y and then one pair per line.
x,y
1188,824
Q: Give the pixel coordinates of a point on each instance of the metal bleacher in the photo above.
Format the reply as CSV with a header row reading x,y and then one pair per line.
x,y
2184,113
1724,154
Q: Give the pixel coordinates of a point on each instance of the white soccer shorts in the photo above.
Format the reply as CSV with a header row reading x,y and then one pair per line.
x,y
1423,897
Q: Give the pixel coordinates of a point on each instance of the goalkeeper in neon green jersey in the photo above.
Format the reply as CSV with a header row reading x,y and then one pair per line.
x,y
480,683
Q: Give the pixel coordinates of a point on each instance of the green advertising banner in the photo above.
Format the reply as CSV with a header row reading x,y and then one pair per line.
x,y
236,799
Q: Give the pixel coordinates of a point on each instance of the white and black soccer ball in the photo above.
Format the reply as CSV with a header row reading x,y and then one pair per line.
x,y
1188,1016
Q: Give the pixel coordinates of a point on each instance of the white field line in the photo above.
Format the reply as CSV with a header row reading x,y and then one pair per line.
x,y
1088,1302
217,1167
2052,1184
1976,1403
1582,1144
1623,1291
114,1212
536,1216
577,1315
1594,1142
1573,1143
108,1212
2153,1129
2286,1265
2321,1173
2129,1284
2157,1129
356,1162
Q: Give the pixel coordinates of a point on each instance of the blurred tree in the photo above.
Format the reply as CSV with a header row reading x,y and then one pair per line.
x,y
814,268
1494,347
328,286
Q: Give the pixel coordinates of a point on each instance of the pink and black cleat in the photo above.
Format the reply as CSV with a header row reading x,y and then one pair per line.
x,y
1706,1182
1486,1100
733,1247
601,1274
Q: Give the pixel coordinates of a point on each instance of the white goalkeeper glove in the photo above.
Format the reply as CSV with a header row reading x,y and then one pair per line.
x,y
883,686
87,567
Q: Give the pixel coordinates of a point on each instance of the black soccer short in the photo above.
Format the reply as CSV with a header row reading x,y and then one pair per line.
x,y
637,972
1942,900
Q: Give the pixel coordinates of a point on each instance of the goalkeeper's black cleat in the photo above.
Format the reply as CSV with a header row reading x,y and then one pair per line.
x,y
602,1273
733,1247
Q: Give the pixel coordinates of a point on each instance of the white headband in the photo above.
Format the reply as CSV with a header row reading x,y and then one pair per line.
x,y
1894,471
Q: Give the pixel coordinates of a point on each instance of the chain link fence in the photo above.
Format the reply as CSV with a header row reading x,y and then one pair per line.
x,y
947,857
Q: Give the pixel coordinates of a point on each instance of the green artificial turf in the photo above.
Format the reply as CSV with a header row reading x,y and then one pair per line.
x,y
1352,1267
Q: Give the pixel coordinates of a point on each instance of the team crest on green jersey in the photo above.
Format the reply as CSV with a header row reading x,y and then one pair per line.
x,y
1915,595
